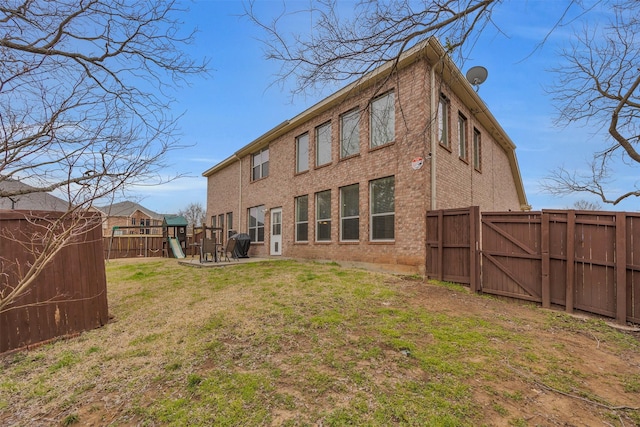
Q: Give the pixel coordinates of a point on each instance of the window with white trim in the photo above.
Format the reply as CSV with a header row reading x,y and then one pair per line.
x,y
382,120
260,164
382,201
349,133
302,219
256,223
323,144
443,121
230,220
350,213
302,153
477,150
462,138
323,216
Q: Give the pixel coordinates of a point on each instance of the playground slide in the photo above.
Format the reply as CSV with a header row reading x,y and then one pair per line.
x,y
175,247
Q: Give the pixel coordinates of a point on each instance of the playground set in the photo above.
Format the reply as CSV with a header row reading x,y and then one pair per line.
x,y
208,242
174,237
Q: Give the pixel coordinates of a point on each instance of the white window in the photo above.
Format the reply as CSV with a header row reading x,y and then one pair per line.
x,y
462,137
323,216
323,144
477,150
443,121
349,134
383,123
302,153
256,223
382,200
350,213
229,221
260,164
302,219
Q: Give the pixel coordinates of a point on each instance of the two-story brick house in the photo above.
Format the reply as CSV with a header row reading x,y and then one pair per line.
x,y
351,178
127,217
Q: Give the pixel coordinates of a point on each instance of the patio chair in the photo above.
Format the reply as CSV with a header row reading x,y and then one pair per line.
x,y
208,247
227,250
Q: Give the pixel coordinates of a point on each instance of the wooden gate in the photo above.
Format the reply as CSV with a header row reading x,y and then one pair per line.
x,y
511,255
453,246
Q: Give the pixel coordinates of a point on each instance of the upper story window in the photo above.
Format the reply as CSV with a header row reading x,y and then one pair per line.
x,y
443,121
477,150
323,144
349,134
256,223
302,219
350,213
260,164
462,138
383,120
302,153
382,201
323,216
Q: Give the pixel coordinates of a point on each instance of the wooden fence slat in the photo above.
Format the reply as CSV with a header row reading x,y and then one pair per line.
x,y
474,253
570,266
544,250
440,246
621,268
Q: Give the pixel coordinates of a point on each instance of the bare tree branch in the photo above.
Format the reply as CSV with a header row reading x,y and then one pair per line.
x,y
599,85
343,49
85,91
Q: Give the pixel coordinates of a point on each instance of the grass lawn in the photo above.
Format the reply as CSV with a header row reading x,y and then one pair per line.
x,y
303,343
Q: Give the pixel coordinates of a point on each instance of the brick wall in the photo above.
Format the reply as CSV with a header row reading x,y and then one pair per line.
x,y
458,184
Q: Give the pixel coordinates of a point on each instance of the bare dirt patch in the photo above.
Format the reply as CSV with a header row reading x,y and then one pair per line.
x,y
596,363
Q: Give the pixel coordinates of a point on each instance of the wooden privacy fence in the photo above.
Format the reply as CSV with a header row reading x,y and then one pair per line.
x,y
68,296
582,260
142,245
132,246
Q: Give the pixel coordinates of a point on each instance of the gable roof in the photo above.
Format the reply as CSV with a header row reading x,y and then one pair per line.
x,y
26,197
446,69
127,209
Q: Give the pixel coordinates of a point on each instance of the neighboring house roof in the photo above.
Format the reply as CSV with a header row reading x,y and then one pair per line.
x,y
445,68
175,221
26,197
127,209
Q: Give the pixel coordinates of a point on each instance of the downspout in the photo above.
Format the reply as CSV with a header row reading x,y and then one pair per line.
x,y
434,136
239,196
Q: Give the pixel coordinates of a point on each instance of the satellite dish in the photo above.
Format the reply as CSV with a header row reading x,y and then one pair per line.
x,y
477,75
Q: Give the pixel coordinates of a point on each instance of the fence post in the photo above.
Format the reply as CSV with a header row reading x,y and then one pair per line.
x,y
571,254
544,252
440,245
621,267
474,253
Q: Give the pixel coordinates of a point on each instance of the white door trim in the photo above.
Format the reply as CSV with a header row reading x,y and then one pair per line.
x,y
275,228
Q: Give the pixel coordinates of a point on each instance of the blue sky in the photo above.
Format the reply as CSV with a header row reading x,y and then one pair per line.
x,y
239,102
